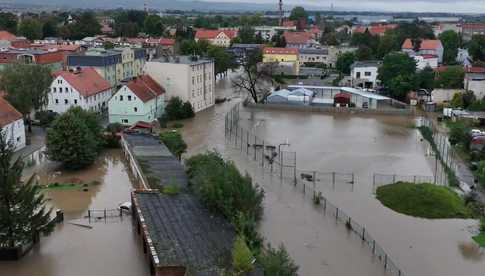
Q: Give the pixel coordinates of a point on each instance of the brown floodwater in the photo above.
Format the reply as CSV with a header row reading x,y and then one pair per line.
x,y
109,248
361,144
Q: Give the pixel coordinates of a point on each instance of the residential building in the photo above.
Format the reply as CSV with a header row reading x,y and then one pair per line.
x,y
113,65
426,47
52,59
475,81
313,56
12,124
423,61
335,51
241,51
189,77
377,30
83,87
298,39
447,26
8,40
220,38
471,29
141,99
364,74
284,57
267,32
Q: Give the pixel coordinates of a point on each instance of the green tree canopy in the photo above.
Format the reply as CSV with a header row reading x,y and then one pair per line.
x,y
276,261
174,142
74,138
223,60
85,25
344,62
23,210
8,22
452,77
153,25
397,74
451,42
26,86
246,34
476,48
30,28
298,13
425,78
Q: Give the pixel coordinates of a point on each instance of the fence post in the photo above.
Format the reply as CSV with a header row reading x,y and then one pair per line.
x,y
294,170
262,156
336,214
247,143
235,137
105,214
333,180
373,247
314,184
385,261
353,181
374,181
324,204
393,178
242,132
281,165
89,214
415,179
254,146
363,233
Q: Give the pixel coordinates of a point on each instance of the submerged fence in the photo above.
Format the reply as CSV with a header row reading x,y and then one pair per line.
x,y
273,159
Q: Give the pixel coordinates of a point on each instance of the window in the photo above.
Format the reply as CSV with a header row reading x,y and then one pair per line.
x,y
136,109
66,101
75,101
121,98
129,98
124,121
57,101
367,74
54,89
18,139
358,75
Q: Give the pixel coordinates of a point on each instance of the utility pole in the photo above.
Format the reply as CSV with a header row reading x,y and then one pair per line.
x,y
281,12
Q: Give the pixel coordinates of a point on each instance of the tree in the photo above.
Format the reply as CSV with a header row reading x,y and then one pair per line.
x,y
254,80
8,22
452,77
176,109
222,59
246,34
108,45
174,142
49,29
278,40
73,139
30,28
451,42
277,262
86,25
23,210
364,53
389,42
397,73
425,78
242,258
476,47
153,25
26,86
298,13
344,62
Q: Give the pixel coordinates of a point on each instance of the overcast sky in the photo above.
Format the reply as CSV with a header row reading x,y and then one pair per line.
x,y
451,6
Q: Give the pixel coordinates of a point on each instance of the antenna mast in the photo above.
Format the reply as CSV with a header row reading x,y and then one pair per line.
x,y
281,12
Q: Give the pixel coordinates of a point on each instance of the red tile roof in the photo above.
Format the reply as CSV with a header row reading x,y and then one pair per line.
x,y
8,114
145,88
475,69
211,34
4,35
59,47
427,44
441,69
167,41
86,81
297,37
280,51
49,57
429,56
474,26
376,29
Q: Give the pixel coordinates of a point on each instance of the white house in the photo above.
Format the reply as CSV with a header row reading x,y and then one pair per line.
x,y
188,77
423,61
426,47
475,81
364,74
12,125
220,38
142,99
83,87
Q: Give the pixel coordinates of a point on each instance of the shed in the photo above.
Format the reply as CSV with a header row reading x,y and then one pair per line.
x,y
342,98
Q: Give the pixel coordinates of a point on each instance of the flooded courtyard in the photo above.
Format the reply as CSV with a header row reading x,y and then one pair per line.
x,y
347,143
110,247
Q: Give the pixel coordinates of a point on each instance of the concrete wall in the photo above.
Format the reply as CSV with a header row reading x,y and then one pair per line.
x,y
444,95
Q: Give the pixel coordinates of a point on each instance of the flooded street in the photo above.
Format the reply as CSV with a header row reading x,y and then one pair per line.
x,y
344,143
109,248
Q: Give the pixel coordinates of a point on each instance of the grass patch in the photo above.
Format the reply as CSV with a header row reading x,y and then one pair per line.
x,y
480,239
170,190
423,200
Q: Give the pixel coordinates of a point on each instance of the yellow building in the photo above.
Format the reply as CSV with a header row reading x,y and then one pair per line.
x,y
285,57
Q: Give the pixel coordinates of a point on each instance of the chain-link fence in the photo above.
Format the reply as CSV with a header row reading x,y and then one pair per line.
x,y
272,159
379,179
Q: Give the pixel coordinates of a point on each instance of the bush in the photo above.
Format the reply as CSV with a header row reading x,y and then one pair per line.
x,y
174,142
163,121
277,262
459,134
176,109
242,258
111,138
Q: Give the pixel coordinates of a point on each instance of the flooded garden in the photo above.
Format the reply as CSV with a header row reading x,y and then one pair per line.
x,y
80,246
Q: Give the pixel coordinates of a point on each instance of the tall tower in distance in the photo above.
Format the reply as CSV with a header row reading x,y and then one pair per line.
x,y
281,12
145,8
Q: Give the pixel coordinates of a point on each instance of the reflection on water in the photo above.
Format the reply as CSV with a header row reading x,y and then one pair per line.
x,y
109,248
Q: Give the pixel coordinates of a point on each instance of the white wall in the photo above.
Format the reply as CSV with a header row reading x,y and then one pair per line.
x,y
422,63
15,133
367,74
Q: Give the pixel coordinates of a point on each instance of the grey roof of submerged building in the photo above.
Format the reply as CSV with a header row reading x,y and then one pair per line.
x,y
155,157
185,233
